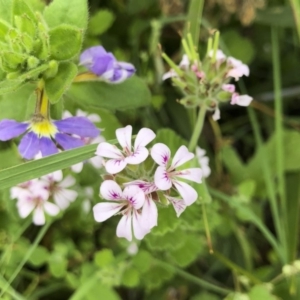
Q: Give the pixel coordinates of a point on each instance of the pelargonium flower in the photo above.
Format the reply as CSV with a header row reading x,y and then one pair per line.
x,y
34,199
129,203
128,155
95,161
203,161
44,135
58,188
236,98
105,65
238,69
178,204
184,65
167,176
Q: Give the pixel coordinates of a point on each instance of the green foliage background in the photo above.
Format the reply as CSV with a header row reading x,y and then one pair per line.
x,y
76,258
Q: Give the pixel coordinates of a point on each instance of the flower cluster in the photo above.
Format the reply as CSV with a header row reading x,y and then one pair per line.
x,y
49,194
136,182
207,82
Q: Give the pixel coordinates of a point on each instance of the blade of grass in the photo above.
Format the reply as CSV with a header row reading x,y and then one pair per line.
x,y
296,11
26,257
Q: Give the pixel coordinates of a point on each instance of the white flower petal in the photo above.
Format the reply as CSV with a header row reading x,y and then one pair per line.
x,y
114,166
66,114
68,181
63,197
124,137
96,162
243,100
77,168
147,187
217,114
39,216
185,62
161,179
124,227
200,152
110,190
144,137
228,88
25,208
94,118
103,211
169,74
178,205
188,194
134,195
105,149
138,156
51,209
138,227
193,174
161,154
149,213
181,156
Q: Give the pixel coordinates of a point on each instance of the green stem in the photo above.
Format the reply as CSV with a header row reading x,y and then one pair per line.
x,y
26,257
236,268
279,128
192,278
296,11
10,290
269,185
198,128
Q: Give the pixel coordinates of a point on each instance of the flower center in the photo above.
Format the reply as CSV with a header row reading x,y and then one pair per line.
x,y
43,127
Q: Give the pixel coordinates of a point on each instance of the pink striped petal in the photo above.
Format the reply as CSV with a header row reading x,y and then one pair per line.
x,y
124,137
178,205
103,211
138,156
124,227
188,194
108,150
134,195
114,166
144,137
110,190
138,226
161,154
181,156
149,213
193,174
161,179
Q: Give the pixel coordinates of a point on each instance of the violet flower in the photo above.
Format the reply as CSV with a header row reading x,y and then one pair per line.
x,y
105,65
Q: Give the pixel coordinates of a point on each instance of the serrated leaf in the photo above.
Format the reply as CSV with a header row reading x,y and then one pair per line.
x,y
65,42
8,86
100,22
61,11
55,87
132,93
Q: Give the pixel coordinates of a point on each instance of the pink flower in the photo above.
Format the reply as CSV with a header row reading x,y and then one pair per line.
x,y
128,155
238,69
184,65
243,100
131,203
167,176
178,204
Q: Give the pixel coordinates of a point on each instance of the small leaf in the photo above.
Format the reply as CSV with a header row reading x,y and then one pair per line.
x,y
4,27
130,278
39,256
65,42
6,10
100,22
55,87
261,292
130,94
104,257
63,12
8,86
20,8
57,265
34,73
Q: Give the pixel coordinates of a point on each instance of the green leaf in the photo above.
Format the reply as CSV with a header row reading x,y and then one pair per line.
x,y
261,292
4,27
132,93
34,169
8,86
73,13
57,265
65,42
6,10
39,256
103,258
55,87
171,139
142,261
130,278
20,8
100,22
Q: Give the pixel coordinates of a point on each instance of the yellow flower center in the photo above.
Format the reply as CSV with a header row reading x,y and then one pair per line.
x,y
43,128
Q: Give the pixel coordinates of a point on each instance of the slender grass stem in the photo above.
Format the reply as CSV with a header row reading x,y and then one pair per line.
x,y
192,278
26,257
296,11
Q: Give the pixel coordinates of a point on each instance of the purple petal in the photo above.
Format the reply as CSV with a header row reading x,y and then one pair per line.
x,y
68,142
29,145
88,55
122,71
47,146
11,128
77,125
